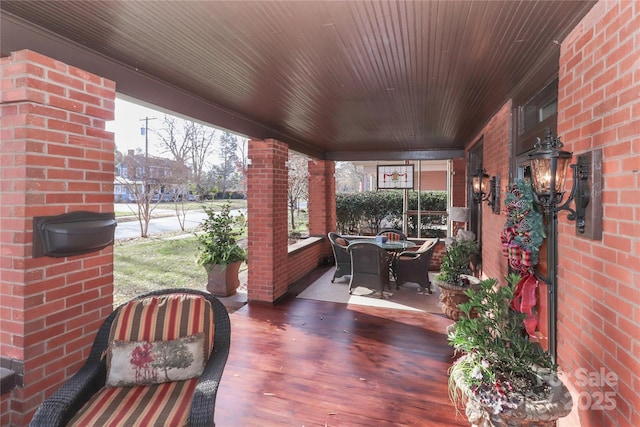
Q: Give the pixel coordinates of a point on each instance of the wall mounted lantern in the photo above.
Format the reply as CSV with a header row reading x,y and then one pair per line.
x,y
485,189
548,172
480,185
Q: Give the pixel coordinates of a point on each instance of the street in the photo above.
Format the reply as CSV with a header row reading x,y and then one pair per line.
x,y
163,221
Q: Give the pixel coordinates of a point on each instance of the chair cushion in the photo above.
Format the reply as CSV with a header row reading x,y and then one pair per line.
x,y
160,322
136,363
425,245
165,404
342,242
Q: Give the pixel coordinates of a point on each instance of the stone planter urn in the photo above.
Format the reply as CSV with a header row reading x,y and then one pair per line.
x,y
451,296
223,280
530,413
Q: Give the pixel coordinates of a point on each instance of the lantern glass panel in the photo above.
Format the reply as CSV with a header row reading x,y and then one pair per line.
x,y
541,175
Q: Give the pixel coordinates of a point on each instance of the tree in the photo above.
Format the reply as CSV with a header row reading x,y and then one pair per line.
x,y
189,143
348,177
298,183
202,147
227,174
147,179
243,163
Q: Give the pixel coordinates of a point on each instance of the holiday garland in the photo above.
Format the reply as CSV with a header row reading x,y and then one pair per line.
x,y
523,231
521,237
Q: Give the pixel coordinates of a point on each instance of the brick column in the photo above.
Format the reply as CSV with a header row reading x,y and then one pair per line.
x,y
459,182
322,197
267,185
56,158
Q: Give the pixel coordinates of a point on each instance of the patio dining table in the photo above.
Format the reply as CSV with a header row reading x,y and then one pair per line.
x,y
390,245
393,247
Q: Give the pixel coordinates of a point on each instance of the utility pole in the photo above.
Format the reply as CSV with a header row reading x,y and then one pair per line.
x,y
144,208
145,132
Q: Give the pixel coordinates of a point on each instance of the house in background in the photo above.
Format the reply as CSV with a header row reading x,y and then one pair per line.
x,y
135,171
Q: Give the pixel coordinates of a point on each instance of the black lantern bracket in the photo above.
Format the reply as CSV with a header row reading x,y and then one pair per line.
x,y
486,189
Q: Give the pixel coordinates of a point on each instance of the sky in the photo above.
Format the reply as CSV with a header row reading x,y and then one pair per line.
x,y
129,118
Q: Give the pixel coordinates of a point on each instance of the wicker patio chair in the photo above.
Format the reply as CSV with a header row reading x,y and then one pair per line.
x,y
79,400
369,267
413,266
392,234
340,254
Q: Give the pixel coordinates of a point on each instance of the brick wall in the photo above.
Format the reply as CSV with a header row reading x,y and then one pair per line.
x,y
56,158
301,262
496,137
599,281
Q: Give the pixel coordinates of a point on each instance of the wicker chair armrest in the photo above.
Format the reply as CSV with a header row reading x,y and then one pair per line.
x,y
412,254
62,405
204,399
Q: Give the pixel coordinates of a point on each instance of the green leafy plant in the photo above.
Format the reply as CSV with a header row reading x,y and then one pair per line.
x,y
500,365
217,241
456,262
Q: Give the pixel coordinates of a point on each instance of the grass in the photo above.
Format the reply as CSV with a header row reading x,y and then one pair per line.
x,y
144,265
161,262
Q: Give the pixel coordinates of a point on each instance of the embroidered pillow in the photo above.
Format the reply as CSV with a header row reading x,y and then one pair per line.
x,y
134,363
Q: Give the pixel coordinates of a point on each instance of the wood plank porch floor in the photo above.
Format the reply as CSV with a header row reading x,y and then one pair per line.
x,y
312,363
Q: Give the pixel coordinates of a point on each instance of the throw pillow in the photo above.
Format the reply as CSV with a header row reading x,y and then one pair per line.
x,y
133,363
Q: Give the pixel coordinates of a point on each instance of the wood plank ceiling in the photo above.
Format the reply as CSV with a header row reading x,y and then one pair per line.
x,y
334,79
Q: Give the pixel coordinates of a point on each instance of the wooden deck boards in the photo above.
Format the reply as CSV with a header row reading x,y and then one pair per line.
x,y
310,363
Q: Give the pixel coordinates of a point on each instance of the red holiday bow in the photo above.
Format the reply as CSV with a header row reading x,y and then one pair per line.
x,y
524,300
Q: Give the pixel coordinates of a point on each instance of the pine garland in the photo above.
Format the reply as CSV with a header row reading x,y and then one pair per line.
x,y
523,231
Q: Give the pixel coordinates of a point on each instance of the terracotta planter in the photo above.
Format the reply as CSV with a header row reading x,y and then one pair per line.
x,y
451,296
223,280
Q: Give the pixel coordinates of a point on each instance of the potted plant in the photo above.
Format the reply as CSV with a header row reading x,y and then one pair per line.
x,y
455,275
503,377
219,251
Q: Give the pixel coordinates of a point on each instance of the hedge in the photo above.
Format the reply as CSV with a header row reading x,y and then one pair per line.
x,y
364,213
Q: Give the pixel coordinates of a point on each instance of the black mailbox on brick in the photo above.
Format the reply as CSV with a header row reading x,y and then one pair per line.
x,y
74,233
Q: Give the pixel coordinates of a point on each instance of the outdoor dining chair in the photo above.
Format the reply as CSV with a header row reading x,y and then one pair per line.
x,y
369,267
156,360
413,266
340,254
392,234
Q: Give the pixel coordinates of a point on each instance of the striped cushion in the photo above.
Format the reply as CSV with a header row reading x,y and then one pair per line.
x,y
161,318
164,318
392,236
165,404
